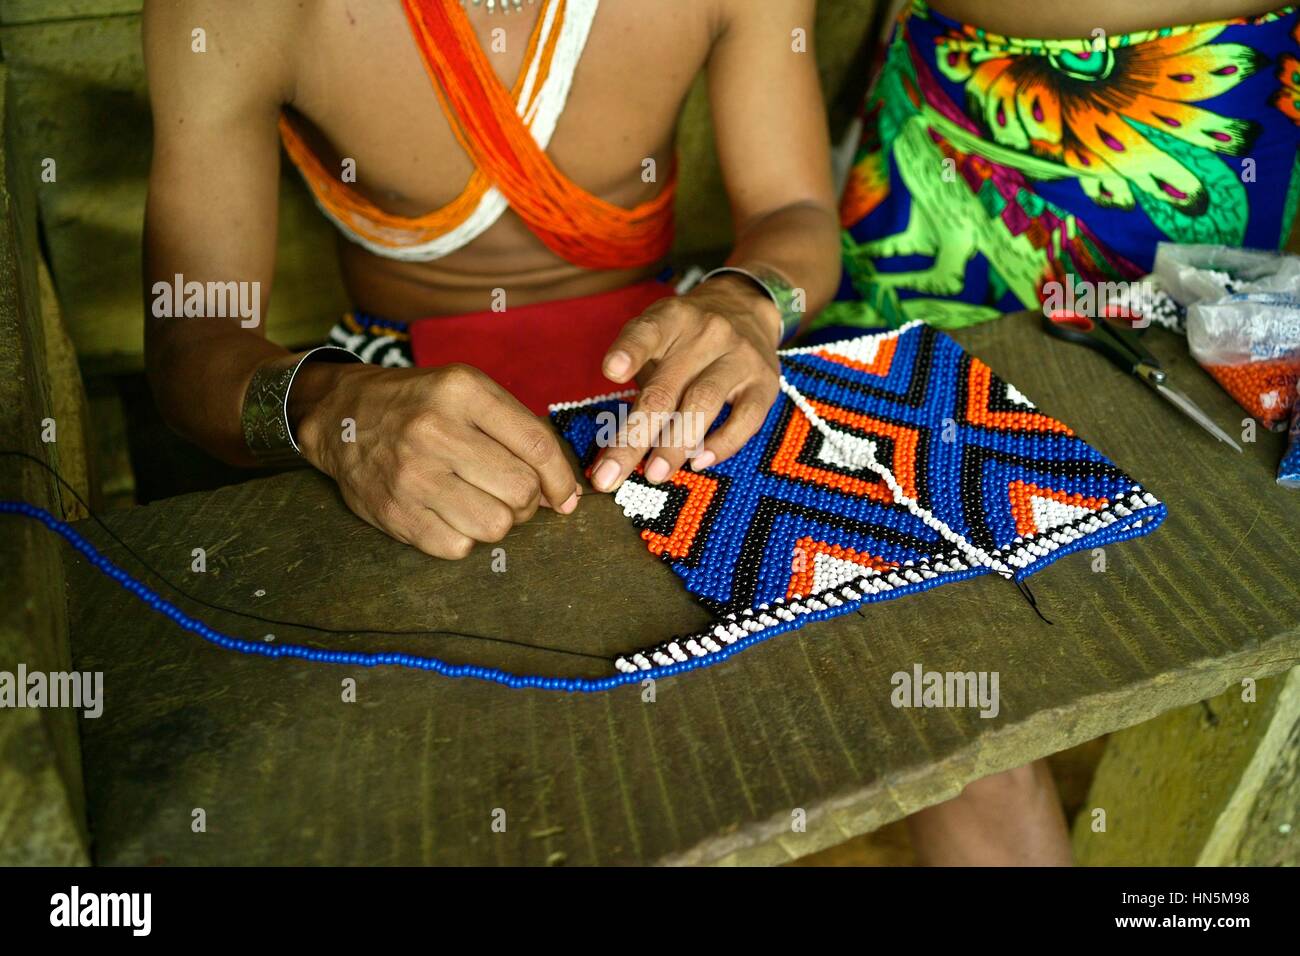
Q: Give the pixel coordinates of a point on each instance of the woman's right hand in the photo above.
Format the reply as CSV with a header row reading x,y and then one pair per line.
x,y
440,458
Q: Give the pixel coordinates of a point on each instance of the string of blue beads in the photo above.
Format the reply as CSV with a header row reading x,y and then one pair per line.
x,y
575,685
161,605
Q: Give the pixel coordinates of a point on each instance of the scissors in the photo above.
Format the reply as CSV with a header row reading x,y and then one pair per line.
x,y
1119,343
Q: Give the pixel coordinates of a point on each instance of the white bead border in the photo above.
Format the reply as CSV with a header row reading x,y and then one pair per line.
x,y
1020,553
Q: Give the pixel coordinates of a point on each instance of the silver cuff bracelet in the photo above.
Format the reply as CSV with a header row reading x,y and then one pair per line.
x,y
265,415
778,290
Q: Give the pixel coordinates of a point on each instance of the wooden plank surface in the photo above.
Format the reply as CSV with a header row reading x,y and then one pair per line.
x,y
42,805
717,767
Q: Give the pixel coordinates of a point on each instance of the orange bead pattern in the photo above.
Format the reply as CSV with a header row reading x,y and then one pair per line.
x,y
690,518
979,413
804,563
1023,493
786,460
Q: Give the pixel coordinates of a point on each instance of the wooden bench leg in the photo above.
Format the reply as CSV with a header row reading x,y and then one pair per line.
x,y
1214,784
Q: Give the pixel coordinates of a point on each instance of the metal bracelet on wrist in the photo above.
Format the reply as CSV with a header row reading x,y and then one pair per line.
x,y
776,288
265,415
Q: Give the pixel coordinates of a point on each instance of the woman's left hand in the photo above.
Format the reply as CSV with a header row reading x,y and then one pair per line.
x,y
691,355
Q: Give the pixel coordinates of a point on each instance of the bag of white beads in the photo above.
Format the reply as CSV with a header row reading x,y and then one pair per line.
x,y
1191,274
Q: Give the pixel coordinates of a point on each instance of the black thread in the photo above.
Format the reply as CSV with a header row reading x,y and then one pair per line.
x,y
279,622
1028,595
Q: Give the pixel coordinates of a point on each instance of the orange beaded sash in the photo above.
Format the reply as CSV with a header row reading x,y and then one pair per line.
x,y
505,132
580,227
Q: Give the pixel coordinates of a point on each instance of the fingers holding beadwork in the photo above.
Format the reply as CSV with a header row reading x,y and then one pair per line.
x,y
707,395
471,511
653,404
665,460
535,444
701,403
748,412
491,467
684,395
643,339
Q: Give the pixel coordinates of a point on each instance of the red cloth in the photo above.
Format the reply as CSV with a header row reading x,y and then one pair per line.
x,y
542,354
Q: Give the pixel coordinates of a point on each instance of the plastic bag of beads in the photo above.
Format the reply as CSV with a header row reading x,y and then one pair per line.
x,y
1250,343
1288,472
1153,304
1202,273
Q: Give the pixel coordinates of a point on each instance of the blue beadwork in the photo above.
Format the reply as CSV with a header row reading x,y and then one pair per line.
x,y
971,455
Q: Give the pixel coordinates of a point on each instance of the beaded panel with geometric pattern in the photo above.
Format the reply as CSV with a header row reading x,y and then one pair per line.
x,y
889,464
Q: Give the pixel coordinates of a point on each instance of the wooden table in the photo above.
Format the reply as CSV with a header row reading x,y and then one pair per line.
x,y
717,767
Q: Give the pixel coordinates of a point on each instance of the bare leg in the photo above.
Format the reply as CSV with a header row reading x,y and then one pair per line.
x,y
1008,819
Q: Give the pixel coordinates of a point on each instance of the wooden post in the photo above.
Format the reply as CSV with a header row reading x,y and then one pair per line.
x,y
42,798
1213,784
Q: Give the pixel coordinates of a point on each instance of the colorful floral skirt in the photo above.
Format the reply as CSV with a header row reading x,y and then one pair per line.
x,y
991,166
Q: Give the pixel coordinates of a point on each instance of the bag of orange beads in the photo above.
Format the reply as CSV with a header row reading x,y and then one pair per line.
x,y
1250,343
